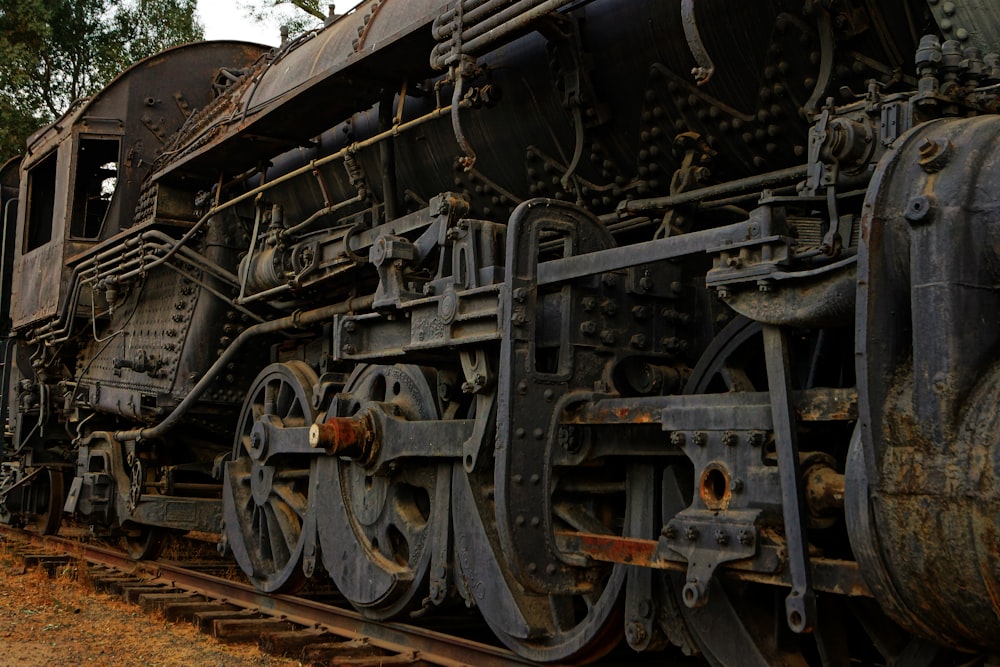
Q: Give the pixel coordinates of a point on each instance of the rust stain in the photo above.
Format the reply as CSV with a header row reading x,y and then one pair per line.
x,y
614,549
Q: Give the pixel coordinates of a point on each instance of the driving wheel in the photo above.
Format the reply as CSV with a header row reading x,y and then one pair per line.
x,y
377,529
265,496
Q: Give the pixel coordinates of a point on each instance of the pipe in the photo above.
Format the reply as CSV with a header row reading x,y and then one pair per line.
x,y
296,320
730,187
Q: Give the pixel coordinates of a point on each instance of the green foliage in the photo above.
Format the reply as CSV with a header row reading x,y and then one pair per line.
x,y
297,15
53,52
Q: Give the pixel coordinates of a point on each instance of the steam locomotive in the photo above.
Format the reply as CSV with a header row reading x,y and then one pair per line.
x,y
653,322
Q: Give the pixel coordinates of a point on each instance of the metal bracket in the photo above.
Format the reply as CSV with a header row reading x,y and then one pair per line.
x,y
707,539
534,383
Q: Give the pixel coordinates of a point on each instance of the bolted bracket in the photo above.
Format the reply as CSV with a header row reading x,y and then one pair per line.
x,y
707,539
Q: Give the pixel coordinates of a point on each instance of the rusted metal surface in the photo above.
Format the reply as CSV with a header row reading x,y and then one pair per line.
x,y
829,576
827,404
929,385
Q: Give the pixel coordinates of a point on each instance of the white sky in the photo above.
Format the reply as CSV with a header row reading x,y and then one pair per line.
x,y
224,19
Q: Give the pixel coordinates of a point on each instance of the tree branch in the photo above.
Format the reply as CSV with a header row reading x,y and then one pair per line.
x,y
306,6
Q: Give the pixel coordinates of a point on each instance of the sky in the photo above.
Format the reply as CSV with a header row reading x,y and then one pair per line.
x,y
223,19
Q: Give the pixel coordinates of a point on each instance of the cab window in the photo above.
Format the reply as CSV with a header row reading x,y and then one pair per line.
x,y
96,180
41,203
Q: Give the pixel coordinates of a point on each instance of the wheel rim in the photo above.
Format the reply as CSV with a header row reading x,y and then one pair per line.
x,y
571,629
49,497
377,531
265,498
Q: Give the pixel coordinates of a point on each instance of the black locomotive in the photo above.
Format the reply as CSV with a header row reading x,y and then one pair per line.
x,y
652,321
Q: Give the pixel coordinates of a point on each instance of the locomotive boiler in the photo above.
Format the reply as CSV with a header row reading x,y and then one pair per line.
x,y
650,322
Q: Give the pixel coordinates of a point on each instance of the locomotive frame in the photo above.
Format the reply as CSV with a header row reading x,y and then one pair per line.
x,y
657,321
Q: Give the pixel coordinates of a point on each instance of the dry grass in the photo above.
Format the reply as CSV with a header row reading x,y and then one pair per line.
x,y
62,620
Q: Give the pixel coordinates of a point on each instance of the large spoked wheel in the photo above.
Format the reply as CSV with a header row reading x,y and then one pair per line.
x,y
377,530
570,629
265,497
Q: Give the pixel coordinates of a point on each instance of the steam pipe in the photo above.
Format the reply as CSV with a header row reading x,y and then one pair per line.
x,y
296,320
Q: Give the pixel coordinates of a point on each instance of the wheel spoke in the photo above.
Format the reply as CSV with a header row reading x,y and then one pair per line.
x,y
736,378
563,612
294,500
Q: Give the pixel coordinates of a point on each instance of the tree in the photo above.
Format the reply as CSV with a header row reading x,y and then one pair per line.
x,y
53,52
297,15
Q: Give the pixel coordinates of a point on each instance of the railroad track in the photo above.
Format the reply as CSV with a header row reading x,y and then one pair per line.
x,y
314,630
235,611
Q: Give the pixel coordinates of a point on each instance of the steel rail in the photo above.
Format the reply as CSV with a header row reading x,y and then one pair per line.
x,y
433,647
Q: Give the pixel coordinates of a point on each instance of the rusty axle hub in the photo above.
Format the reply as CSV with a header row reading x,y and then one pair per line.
x,y
344,436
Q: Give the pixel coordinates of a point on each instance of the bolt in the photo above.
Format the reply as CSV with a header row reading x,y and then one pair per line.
x,y
755,438
645,283
566,437
730,439
589,303
520,294
635,633
639,341
691,533
350,326
935,154
918,209
700,438
588,327
609,308
721,537
736,485
669,532
641,312
678,439
745,537
723,293
519,319
608,337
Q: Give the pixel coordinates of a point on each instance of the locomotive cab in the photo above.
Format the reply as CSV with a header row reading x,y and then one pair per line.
x,y
82,176
72,199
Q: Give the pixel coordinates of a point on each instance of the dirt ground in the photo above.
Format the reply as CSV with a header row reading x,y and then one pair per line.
x,y
62,621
